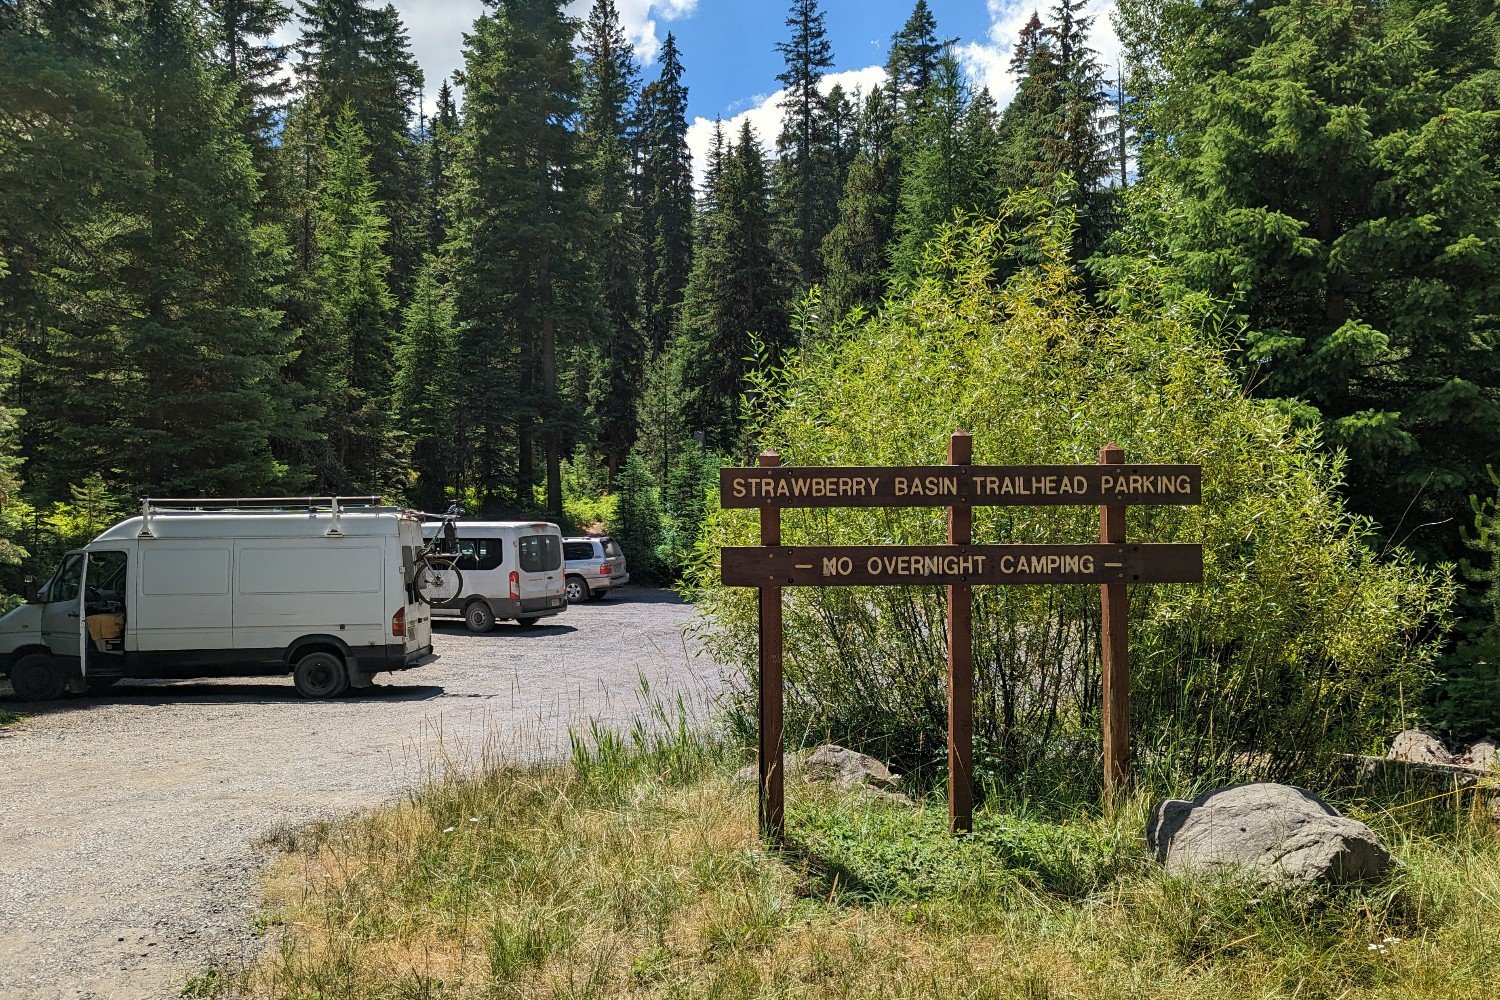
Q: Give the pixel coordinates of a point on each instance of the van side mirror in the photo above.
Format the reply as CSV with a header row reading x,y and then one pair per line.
x,y
28,589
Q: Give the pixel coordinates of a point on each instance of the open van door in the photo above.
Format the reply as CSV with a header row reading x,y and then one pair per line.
x,y
61,625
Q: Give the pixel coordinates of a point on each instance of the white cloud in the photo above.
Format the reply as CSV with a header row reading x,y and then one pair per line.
x,y
988,62
764,115
639,24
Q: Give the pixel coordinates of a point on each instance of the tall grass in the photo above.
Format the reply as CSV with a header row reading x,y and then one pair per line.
x,y
634,870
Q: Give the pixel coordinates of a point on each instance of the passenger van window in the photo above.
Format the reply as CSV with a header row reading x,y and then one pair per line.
x,y
540,553
480,553
578,550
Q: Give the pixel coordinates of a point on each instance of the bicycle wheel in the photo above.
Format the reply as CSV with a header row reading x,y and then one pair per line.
x,y
438,581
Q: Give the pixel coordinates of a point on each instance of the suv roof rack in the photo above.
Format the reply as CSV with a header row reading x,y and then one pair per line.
x,y
255,505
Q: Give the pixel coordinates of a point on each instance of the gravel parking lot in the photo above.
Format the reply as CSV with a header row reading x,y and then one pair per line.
x,y
128,857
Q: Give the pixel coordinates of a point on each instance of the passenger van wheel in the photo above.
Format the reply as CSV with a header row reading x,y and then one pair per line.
x,y
37,677
577,590
320,675
478,617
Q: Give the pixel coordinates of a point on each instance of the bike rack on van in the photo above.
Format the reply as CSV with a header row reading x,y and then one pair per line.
x,y
252,505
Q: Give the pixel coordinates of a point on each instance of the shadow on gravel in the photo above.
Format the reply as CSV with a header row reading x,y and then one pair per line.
x,y
155,693
503,632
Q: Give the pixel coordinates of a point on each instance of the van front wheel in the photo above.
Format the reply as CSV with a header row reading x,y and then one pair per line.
x,y
320,675
36,677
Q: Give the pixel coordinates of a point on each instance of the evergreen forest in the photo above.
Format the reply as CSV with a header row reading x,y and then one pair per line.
x,y
235,267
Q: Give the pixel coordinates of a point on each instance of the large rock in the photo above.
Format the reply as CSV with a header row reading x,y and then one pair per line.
x,y
847,769
1418,747
1271,832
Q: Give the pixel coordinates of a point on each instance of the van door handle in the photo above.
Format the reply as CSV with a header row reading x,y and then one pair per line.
x,y
72,614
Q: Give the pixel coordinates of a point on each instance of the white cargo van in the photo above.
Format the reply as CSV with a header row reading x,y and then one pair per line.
x,y
322,588
512,571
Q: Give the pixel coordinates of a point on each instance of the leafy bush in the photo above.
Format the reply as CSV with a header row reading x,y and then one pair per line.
x,y
1300,641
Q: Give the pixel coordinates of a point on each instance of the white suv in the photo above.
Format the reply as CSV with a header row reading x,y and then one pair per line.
x,y
593,567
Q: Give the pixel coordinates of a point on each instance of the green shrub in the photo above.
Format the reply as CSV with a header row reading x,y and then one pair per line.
x,y
1300,641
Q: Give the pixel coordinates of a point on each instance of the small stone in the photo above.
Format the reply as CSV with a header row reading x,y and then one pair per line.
x,y
1418,747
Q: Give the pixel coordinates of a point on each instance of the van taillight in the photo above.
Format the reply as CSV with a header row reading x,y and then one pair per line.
x,y
398,623
515,585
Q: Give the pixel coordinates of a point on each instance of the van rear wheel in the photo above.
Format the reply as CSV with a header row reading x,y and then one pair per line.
x,y
320,674
37,677
478,617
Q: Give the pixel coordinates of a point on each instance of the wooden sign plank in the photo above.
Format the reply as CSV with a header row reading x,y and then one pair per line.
x,y
959,565
975,485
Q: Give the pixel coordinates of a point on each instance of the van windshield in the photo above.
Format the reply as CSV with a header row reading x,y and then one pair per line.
x,y
540,553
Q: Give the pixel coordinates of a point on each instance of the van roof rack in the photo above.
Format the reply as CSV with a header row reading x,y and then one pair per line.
x,y
259,503
255,505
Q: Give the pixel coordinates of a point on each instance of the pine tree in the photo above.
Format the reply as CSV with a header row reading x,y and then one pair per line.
x,y
241,32
934,183
428,389
857,252
523,228
637,522
357,55
806,182
666,179
1332,171
982,187
735,294
12,508
913,58
198,371
71,165
607,112
350,342
441,148
1051,129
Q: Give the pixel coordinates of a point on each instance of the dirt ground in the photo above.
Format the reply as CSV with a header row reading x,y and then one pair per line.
x,y
132,822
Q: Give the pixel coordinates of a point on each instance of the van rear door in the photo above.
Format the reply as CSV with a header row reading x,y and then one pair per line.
x,y
418,615
540,562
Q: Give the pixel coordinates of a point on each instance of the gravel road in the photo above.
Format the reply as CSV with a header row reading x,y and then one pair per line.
x,y
129,825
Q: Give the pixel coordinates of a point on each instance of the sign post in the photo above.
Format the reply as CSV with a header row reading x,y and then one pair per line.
x,y
960,565
960,658
1114,648
772,788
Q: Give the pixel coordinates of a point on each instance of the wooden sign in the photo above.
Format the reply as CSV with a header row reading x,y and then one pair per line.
x,y
977,486
960,565
971,565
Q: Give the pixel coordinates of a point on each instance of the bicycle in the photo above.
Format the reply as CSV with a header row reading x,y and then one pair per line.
x,y
437,578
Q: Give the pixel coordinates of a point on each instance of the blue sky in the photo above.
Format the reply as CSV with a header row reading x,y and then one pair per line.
x,y
728,46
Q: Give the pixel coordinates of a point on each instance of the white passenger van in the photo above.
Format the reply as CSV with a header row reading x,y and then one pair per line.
x,y
321,588
512,571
